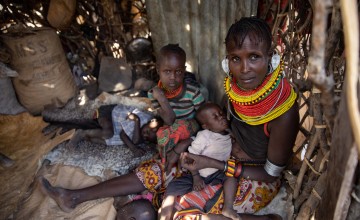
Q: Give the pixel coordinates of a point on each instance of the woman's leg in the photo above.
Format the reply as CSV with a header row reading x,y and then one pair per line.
x,y
119,186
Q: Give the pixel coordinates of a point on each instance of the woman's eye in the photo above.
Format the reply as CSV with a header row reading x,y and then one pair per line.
x,y
235,59
254,57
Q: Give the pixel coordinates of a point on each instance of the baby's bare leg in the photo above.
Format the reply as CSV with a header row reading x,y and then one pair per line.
x,y
230,188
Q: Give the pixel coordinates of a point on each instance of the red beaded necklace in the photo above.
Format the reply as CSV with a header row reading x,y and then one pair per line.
x,y
168,93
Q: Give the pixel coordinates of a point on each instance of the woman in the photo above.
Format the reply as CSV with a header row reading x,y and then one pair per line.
x,y
264,120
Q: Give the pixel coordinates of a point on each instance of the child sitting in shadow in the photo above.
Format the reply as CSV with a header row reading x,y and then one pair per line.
x,y
121,124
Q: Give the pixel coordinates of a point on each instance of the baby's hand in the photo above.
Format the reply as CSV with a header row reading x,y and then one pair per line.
x,y
132,117
158,93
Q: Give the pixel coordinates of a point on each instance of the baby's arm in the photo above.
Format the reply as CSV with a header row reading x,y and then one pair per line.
x,y
165,111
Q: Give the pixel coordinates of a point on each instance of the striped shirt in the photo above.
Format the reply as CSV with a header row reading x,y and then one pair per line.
x,y
185,104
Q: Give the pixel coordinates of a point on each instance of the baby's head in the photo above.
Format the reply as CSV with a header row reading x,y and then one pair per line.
x,y
148,130
170,66
139,209
211,117
257,29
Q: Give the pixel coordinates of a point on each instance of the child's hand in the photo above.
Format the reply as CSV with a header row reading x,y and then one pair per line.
x,y
133,117
198,182
158,93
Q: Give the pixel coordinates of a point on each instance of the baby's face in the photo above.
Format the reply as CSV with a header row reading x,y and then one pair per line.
x,y
215,119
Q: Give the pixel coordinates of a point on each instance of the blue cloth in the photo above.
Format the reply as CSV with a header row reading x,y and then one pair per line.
x,y
119,121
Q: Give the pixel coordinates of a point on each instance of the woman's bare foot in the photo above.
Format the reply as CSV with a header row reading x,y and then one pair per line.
x,y
61,196
230,213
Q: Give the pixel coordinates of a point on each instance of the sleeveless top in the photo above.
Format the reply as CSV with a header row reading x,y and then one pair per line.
x,y
252,138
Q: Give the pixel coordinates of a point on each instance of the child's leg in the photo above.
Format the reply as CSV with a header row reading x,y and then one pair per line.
x,y
94,135
230,188
167,208
68,199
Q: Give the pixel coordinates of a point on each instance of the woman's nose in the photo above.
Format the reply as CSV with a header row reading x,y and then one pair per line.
x,y
244,66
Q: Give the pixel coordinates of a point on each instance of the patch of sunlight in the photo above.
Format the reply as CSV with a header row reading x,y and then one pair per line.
x,y
189,68
51,86
187,27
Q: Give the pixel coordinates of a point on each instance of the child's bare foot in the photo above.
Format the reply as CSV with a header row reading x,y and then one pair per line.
x,y
61,196
230,213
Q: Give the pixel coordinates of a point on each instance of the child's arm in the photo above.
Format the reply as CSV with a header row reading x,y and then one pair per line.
x,y
165,111
136,135
125,138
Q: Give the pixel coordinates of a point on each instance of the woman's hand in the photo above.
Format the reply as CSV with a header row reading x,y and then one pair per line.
x,y
192,162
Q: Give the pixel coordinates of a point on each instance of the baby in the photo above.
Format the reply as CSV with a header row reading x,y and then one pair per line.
x,y
213,141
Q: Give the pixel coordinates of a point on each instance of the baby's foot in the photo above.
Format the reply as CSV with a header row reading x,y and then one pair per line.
x,y
61,196
230,213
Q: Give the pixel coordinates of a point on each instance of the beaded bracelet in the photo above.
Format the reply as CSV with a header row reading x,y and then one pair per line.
x,y
233,169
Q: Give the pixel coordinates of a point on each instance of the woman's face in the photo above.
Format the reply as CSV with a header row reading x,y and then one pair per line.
x,y
248,64
171,71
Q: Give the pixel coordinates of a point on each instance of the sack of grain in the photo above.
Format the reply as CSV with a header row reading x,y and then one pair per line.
x,y
45,78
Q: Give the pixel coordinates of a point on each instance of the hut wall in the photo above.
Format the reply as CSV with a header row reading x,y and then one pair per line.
x,y
199,27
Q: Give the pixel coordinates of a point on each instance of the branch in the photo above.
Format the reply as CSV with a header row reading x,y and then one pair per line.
x,y
348,12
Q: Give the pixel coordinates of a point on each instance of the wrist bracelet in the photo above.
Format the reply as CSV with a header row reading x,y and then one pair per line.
x,y
225,166
233,168
231,165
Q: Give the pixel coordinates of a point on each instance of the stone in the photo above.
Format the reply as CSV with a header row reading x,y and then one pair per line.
x,y
115,75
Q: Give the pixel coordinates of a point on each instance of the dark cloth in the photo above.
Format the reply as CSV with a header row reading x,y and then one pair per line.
x,y
251,138
184,184
105,111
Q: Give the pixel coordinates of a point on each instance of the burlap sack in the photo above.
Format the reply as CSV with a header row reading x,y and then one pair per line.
x,y
61,13
44,74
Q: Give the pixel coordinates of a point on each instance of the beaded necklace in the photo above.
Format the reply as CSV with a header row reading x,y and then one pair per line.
x,y
168,93
268,101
